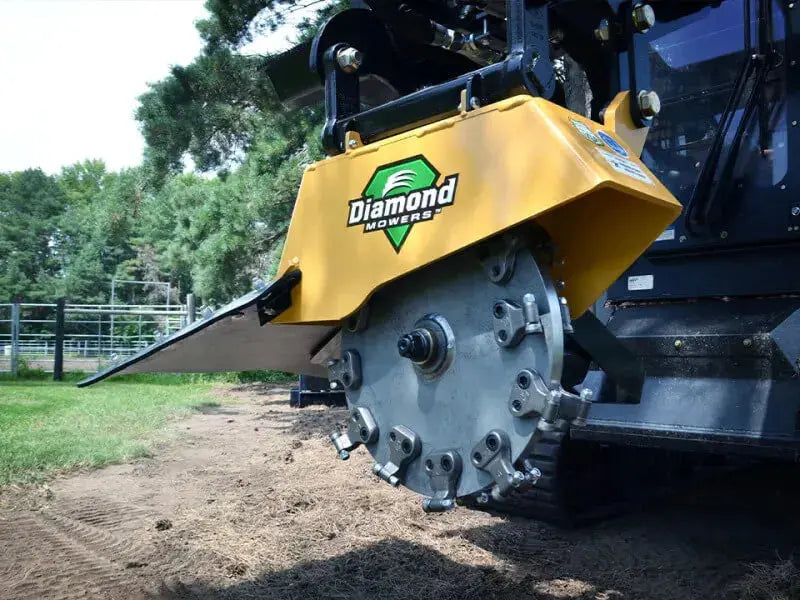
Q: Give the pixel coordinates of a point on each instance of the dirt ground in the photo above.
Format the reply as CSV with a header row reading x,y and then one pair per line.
x,y
250,502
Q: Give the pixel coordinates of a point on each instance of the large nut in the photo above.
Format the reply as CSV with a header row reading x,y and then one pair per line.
x,y
644,17
349,59
649,104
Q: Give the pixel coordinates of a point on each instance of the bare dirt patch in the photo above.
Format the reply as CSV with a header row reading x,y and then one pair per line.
x,y
258,507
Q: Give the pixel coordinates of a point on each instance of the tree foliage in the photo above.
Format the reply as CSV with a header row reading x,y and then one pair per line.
x,y
212,109
30,203
214,231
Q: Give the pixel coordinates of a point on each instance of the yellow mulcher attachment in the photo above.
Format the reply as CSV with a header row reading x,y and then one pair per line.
x,y
430,272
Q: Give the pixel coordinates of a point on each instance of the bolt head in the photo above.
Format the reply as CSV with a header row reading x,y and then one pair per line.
x,y
350,59
678,343
352,143
602,32
587,395
344,454
649,103
533,475
517,479
796,211
483,498
416,346
644,17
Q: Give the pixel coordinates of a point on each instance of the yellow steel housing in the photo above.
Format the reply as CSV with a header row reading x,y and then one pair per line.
x,y
517,160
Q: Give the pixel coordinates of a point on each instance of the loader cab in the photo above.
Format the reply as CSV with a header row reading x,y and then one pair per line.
x,y
712,308
722,144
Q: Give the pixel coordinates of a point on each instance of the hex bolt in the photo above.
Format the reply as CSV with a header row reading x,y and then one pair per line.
x,y
533,476
353,143
344,455
436,505
517,479
678,343
349,59
530,309
532,472
415,346
643,17
587,395
649,103
602,32
482,498
796,211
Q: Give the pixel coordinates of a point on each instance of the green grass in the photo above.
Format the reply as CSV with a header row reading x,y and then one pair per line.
x,y
26,374
47,427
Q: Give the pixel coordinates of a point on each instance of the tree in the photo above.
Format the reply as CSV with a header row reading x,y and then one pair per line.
x,y
96,228
218,236
81,181
213,108
69,235
30,205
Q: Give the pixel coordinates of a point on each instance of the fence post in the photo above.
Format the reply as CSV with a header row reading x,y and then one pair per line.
x,y
111,332
58,353
190,308
15,339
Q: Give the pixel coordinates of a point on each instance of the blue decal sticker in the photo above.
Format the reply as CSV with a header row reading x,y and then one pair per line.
x,y
612,143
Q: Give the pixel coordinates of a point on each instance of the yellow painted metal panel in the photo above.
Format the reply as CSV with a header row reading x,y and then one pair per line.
x,y
517,160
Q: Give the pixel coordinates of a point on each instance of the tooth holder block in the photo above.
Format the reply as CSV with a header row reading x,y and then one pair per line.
x,y
520,159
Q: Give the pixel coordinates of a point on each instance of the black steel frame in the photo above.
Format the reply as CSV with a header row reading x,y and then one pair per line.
x,y
526,70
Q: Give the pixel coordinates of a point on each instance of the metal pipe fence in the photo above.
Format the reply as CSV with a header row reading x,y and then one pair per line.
x,y
102,332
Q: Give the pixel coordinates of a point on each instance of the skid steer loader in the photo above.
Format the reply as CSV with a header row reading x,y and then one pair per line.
x,y
545,231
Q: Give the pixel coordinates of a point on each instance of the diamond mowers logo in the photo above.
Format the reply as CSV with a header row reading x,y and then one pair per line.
x,y
401,194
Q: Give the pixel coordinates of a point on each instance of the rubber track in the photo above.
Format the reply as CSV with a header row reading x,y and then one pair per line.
x,y
584,482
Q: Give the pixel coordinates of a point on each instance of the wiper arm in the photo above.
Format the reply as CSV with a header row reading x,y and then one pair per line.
x,y
694,208
713,180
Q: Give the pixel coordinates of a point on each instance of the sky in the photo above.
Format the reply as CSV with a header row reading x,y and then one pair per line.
x,y
71,70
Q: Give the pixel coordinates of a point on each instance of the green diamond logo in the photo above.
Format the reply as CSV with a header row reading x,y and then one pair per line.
x,y
400,194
